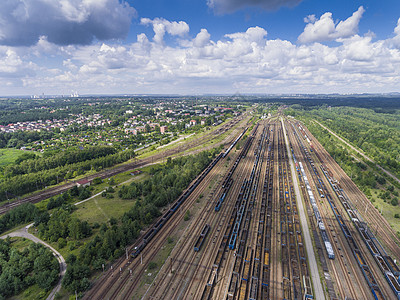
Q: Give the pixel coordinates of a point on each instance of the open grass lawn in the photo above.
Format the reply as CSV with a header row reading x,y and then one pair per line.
x,y
388,211
100,209
20,243
8,156
32,293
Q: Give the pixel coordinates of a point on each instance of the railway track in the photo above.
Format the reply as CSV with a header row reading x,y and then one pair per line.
x,y
213,247
175,262
207,255
377,268
184,258
132,269
347,287
366,265
371,215
50,192
110,284
230,235
268,259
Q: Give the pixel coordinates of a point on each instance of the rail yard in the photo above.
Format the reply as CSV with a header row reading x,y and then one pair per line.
x,y
246,238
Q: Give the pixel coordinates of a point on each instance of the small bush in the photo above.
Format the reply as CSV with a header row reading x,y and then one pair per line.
x,y
152,265
62,243
187,215
97,180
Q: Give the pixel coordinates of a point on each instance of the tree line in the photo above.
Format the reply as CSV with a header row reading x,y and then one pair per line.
x,y
60,159
377,134
26,183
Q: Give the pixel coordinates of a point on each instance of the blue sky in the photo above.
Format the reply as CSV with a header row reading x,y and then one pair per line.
x,y
199,46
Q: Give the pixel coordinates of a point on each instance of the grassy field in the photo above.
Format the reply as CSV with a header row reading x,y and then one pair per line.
x,y
20,243
8,156
100,209
32,293
387,210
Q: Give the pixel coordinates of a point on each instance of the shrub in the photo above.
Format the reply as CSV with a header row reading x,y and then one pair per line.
x,y
152,265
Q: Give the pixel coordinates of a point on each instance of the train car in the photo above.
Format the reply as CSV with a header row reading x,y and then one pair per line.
x,y
307,288
219,202
253,288
152,232
232,241
329,250
393,284
138,249
201,238
233,286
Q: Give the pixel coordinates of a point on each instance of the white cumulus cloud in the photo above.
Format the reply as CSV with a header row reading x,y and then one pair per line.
x,y
162,26
324,28
396,39
245,61
202,38
63,22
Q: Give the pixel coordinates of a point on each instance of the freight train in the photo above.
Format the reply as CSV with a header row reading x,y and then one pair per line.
x,y
201,238
234,143
161,222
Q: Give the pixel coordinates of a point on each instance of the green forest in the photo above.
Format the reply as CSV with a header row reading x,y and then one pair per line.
x,y
376,133
100,243
19,269
34,174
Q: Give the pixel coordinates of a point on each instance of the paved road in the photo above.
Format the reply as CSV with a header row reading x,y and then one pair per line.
x,y
359,152
319,292
23,232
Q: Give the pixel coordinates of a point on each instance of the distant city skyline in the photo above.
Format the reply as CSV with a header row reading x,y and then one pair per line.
x,y
199,47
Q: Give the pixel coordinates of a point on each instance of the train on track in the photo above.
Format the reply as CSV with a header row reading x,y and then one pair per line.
x,y
320,223
227,183
201,238
161,222
362,263
385,263
234,143
317,214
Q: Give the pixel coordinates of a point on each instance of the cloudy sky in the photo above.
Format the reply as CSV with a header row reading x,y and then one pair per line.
x,y
199,46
